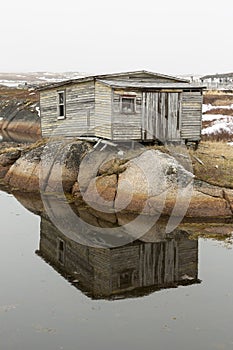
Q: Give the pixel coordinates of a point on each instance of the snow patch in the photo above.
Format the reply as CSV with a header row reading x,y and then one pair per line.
x,y
209,107
38,111
219,127
212,117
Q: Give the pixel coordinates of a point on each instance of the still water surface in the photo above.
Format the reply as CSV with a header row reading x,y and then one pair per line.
x,y
40,309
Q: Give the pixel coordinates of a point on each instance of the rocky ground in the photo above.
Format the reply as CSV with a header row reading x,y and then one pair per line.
x,y
148,180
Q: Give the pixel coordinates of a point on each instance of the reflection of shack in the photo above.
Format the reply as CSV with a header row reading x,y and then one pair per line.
x,y
132,270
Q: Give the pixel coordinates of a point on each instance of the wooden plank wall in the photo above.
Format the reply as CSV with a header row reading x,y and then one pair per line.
x,y
80,103
103,110
126,126
191,115
161,115
188,258
158,263
89,265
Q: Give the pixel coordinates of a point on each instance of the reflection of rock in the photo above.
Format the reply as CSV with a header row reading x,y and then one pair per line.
x,y
33,202
132,270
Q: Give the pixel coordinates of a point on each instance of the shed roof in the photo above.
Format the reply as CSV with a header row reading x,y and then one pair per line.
x,y
141,85
109,76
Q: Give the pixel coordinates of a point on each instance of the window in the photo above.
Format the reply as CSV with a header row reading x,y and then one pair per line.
x,y
126,279
61,251
128,105
61,105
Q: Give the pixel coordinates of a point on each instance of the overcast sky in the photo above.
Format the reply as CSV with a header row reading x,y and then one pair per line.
x,y
170,37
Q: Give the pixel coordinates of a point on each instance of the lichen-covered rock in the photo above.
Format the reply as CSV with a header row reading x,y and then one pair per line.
x,y
102,191
60,165
24,173
6,161
148,180
52,167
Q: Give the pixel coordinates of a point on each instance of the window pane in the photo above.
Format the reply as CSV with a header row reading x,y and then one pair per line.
x,y
61,110
61,97
128,105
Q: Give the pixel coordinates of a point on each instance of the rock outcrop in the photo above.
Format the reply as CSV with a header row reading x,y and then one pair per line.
x,y
50,167
112,183
7,159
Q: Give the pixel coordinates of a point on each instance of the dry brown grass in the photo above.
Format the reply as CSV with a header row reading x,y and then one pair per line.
x,y
8,93
218,98
23,147
217,167
9,150
222,136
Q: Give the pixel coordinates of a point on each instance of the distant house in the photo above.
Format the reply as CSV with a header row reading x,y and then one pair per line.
x,y
218,81
141,106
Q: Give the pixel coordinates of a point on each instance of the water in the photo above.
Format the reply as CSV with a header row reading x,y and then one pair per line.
x,y
11,136
41,309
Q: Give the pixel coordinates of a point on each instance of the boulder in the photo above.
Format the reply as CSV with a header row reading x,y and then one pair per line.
x,y
148,181
6,161
23,175
52,167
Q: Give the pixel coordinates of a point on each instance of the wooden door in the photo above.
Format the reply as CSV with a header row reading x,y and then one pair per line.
x,y
161,114
158,263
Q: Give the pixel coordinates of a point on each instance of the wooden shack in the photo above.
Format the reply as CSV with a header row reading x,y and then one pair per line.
x,y
141,106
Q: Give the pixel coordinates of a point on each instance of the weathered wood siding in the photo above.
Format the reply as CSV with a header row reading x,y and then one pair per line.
x,y
107,272
191,115
103,110
188,258
161,113
126,126
79,105
94,108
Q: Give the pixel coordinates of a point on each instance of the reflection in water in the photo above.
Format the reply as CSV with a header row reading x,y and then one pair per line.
x,y
11,136
135,269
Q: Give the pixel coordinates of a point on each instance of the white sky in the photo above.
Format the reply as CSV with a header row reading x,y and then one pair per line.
x,y
170,37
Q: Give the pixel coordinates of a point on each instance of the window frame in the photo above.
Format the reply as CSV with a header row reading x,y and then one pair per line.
x,y
61,117
128,97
